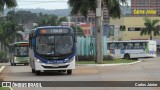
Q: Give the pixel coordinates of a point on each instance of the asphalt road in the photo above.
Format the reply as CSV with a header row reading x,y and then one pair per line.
x,y
147,70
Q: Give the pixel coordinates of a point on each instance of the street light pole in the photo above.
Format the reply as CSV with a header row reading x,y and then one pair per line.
x,y
99,32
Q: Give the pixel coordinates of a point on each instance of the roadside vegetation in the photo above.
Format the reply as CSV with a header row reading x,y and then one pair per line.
x,y
151,28
4,88
3,57
115,61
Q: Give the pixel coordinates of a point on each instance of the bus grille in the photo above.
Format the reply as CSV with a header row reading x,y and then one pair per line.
x,y
65,66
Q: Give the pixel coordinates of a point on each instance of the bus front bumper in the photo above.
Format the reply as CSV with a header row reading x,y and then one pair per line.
x,y
60,66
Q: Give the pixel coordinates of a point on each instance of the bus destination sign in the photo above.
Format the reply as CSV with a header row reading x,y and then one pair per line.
x,y
54,31
22,44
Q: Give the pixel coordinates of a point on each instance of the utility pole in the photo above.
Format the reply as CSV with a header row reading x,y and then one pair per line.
x,y
76,40
99,53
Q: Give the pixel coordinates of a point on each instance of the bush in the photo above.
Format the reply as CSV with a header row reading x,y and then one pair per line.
x,y
3,57
108,57
91,58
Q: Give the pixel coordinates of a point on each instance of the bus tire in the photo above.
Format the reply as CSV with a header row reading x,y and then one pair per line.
x,y
135,58
37,72
26,64
127,56
69,72
33,71
11,64
14,64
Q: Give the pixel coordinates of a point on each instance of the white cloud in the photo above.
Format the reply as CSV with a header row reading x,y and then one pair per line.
x,y
47,4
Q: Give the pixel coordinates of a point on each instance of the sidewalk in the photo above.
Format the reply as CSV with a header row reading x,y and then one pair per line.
x,y
109,64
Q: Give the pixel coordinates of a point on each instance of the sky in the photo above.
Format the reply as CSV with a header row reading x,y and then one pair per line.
x,y
43,4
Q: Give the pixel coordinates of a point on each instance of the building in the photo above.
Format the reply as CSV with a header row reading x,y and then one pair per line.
x,y
91,16
132,29
125,10
145,7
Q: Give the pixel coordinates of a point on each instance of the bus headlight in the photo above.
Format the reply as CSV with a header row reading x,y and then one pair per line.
x,y
38,60
15,57
66,59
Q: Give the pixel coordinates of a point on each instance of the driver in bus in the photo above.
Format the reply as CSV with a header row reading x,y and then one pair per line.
x,y
51,50
18,52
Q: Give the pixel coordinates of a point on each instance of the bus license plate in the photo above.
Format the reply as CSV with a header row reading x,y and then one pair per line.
x,y
55,65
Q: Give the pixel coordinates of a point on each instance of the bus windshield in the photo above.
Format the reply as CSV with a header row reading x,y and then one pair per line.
x,y
54,44
21,51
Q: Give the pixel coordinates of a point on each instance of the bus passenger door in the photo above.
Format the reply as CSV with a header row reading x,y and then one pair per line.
x,y
117,53
118,50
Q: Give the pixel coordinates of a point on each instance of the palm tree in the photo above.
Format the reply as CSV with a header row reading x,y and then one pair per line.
x,y
83,6
7,3
79,31
151,28
55,20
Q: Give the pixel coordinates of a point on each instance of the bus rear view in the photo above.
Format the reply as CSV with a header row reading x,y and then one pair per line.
x,y
52,48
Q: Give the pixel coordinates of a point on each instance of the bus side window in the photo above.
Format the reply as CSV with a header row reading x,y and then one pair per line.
x,y
125,45
112,46
30,41
108,46
136,45
142,45
119,45
122,46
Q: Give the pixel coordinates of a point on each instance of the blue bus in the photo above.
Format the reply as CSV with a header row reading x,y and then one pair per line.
x,y
52,48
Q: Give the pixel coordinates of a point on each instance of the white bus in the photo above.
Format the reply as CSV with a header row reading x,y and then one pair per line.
x,y
52,48
19,53
132,49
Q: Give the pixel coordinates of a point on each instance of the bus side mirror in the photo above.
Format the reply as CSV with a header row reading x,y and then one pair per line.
x,y
33,42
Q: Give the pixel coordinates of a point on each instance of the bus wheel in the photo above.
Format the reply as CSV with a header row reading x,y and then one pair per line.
x,y
69,72
37,72
135,58
26,64
127,56
33,71
14,64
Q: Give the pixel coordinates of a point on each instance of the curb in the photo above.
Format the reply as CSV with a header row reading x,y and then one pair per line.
x,y
1,69
108,64
10,88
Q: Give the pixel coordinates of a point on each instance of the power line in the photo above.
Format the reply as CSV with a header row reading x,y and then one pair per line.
x,y
39,2
33,3
44,1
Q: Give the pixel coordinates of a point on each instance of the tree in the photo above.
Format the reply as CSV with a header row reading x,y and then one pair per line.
x,y
79,31
83,6
7,3
50,20
151,28
29,17
9,30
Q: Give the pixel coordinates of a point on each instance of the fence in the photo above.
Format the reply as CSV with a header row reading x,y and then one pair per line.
x,y
86,46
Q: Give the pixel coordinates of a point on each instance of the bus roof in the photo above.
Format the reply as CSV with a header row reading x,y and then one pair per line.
x,y
53,27
131,41
17,43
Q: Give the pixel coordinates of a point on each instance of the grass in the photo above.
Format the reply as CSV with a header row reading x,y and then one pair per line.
x,y
4,88
116,61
